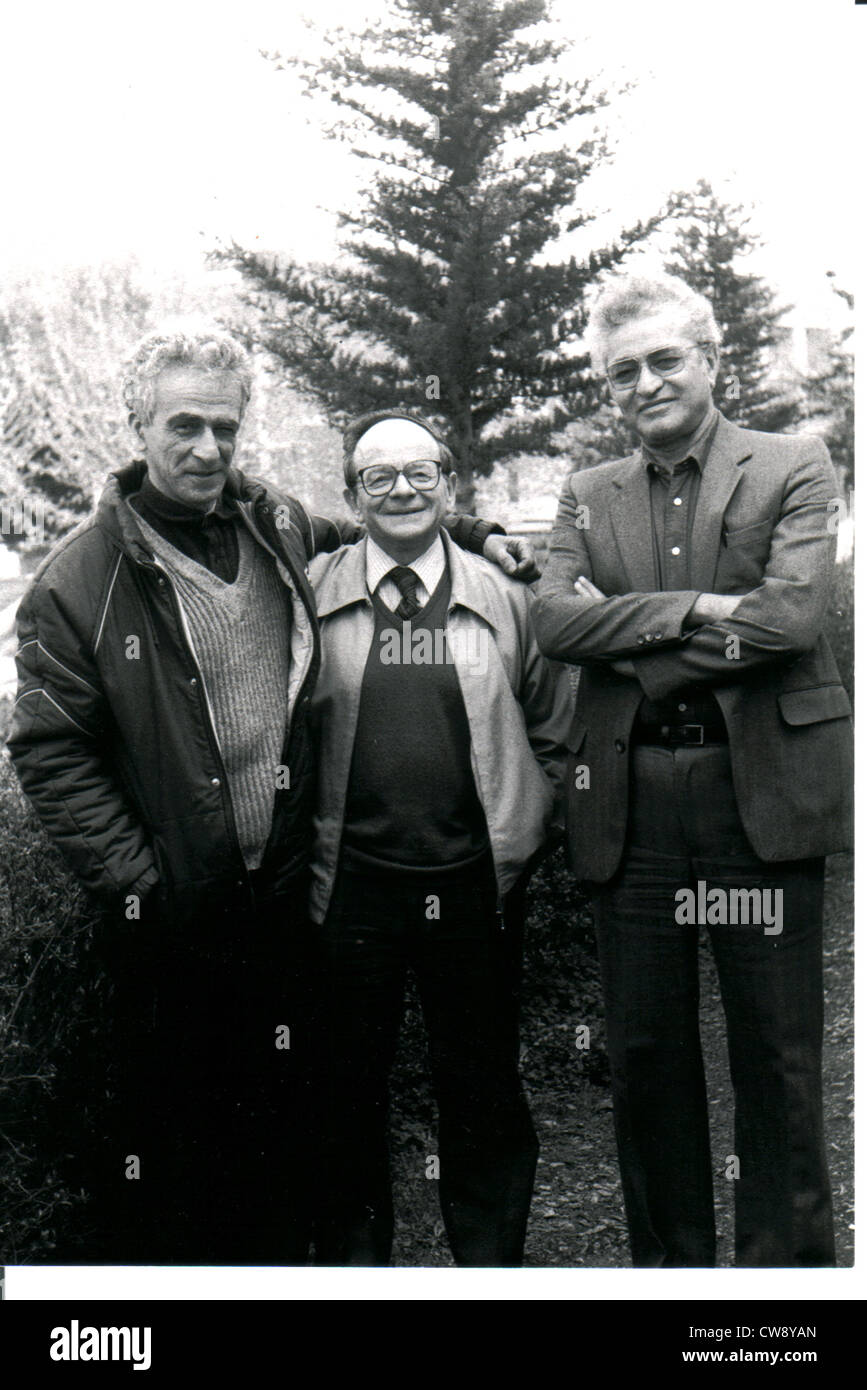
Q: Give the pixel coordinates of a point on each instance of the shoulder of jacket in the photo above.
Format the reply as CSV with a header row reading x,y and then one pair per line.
x,y
277,498
328,563
85,550
489,581
282,503
786,445
69,594
601,474
338,578
280,515
252,488
788,458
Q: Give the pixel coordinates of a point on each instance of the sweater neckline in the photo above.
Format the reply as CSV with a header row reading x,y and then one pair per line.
x,y
197,574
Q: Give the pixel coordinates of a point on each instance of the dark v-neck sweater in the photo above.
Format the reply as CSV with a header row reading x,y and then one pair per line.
x,y
411,800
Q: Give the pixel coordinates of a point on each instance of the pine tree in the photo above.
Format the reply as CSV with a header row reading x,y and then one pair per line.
x,y
712,242
831,396
448,296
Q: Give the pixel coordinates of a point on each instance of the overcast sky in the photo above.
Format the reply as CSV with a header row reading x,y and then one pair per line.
x,y
159,134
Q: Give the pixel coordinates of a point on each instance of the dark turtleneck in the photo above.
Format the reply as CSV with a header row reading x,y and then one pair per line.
x,y
209,538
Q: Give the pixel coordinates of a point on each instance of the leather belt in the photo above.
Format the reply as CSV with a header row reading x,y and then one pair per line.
x,y
681,735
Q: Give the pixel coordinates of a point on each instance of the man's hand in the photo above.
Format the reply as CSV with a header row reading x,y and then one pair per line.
x,y
587,589
515,557
713,608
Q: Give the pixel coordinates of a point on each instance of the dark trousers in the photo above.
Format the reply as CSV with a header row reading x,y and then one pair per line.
x,y
466,959
212,1039
685,830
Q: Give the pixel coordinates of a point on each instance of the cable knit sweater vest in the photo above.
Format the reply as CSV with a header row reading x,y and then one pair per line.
x,y
240,635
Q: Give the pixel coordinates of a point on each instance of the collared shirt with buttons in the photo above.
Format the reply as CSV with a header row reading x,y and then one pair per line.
x,y
674,489
674,492
427,568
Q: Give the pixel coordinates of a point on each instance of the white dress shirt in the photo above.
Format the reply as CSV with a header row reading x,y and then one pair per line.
x,y
428,570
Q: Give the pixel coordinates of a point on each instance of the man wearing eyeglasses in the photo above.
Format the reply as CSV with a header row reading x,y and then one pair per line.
x,y
440,744
709,777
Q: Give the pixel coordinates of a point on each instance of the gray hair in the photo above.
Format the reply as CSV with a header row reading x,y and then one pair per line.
x,y
630,296
181,344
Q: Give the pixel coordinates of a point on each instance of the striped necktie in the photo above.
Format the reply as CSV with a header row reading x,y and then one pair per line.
x,y
406,580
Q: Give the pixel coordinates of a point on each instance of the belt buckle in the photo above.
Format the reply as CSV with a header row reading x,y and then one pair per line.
x,y
693,742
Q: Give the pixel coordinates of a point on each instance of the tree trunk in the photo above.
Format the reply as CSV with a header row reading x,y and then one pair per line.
x,y
463,450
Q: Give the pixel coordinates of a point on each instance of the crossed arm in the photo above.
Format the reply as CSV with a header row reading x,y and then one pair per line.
x,y
704,637
708,608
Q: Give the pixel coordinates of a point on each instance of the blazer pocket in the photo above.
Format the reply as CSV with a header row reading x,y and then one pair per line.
x,y
815,704
745,535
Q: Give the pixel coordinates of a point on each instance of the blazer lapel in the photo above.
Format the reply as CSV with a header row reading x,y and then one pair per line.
x,y
721,475
633,527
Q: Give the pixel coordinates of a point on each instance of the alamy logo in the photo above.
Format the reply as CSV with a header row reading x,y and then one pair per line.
x,y
25,518
737,907
75,1343
425,647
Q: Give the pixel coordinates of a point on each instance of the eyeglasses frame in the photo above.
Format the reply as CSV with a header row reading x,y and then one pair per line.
x,y
644,361
359,477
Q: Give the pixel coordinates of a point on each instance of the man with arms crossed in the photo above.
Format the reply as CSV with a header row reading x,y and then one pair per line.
x,y
440,728
710,751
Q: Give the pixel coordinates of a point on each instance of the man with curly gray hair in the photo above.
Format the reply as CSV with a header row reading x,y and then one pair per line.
x,y
181,344
633,297
169,648
710,776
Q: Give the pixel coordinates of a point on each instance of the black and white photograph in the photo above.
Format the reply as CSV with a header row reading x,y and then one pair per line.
x,y
427,447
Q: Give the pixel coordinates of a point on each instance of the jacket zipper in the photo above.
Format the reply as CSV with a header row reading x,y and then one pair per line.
x,y
286,564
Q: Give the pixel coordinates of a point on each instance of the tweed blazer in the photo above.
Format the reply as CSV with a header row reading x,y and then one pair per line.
x,y
764,527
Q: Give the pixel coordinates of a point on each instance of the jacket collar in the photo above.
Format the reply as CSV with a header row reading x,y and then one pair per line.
x,y
168,509
116,517
471,585
345,582
631,515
